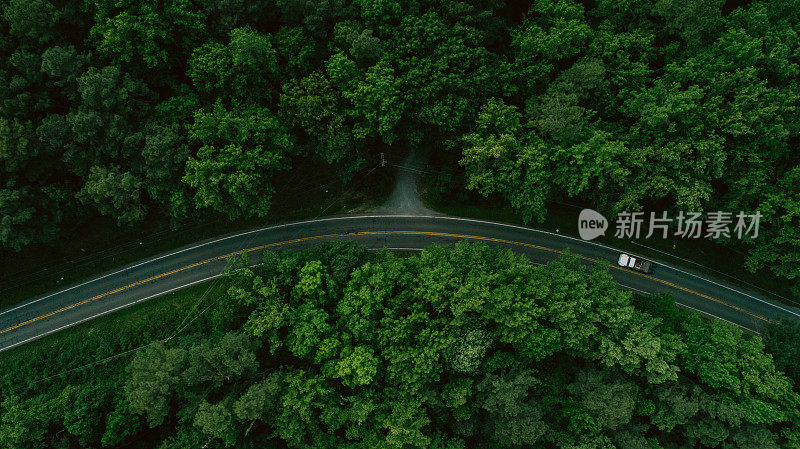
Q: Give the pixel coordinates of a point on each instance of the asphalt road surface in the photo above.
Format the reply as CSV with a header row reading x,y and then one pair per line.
x,y
206,260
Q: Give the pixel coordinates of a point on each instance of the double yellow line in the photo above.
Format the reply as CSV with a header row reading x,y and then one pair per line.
x,y
349,234
543,248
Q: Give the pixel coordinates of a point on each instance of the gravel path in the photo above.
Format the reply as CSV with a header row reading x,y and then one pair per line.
x,y
405,197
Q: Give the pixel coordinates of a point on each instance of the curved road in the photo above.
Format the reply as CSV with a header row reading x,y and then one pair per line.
x,y
403,223
206,260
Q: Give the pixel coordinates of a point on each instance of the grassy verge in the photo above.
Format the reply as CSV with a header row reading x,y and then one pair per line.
x,y
117,332
700,255
176,313
100,245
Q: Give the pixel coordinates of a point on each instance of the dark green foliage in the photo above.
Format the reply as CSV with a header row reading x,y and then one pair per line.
x,y
106,106
242,69
782,340
146,34
242,148
454,347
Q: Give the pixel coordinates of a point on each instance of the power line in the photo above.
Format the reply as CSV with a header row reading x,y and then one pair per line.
x,y
363,178
181,327
65,266
184,324
575,206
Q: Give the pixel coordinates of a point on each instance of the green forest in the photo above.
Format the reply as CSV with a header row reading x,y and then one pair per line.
x,y
158,110
454,347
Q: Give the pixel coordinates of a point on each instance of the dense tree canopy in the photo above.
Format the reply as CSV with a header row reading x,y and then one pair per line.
x,y
632,104
132,109
455,347
137,109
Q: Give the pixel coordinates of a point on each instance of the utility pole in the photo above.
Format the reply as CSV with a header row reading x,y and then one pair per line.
x,y
383,161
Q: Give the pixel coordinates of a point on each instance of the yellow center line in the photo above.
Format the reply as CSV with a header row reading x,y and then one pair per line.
x,y
529,245
302,239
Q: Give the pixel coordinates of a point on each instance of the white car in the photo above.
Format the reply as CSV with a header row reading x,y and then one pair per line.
x,y
634,263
